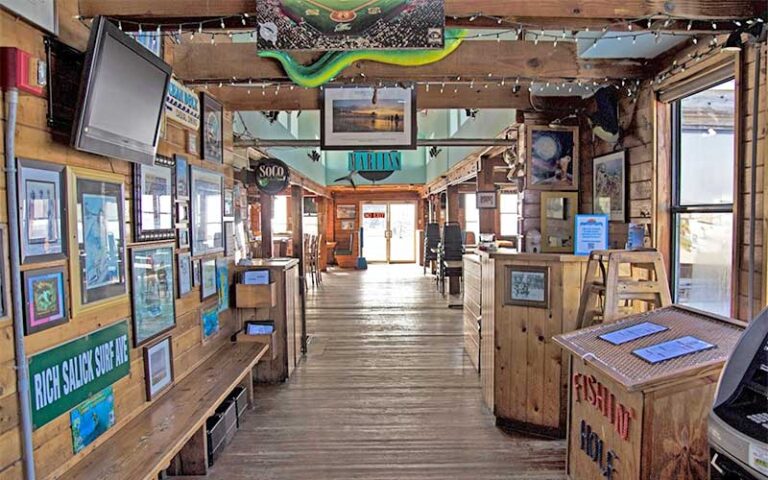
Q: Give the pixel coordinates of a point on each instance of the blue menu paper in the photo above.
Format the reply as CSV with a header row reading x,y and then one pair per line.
x,y
672,349
625,335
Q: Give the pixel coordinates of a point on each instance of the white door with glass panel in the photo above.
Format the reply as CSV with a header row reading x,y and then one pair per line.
x,y
389,232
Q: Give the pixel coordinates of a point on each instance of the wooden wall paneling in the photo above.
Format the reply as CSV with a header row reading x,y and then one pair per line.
x,y
488,329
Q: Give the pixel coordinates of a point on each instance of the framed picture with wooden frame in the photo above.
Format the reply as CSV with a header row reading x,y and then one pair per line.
x,y
486,200
158,367
98,273
552,155
153,205
526,286
558,213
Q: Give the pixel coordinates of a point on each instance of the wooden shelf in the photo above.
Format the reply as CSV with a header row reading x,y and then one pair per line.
x,y
255,296
263,339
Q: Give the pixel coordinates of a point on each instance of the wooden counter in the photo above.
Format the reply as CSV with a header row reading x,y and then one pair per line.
x,y
286,313
633,420
521,369
472,309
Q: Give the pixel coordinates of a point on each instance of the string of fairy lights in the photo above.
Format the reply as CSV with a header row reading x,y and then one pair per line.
x,y
701,34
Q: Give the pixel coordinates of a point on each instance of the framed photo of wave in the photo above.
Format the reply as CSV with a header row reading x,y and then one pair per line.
x,y
350,24
41,211
97,218
153,291
372,118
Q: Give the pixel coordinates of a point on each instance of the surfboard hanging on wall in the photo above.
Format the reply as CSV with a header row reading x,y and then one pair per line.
x,y
350,24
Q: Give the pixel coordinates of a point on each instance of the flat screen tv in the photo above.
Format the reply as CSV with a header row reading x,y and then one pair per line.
x,y
121,97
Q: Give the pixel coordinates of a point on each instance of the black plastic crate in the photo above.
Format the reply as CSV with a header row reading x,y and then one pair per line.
x,y
214,429
240,397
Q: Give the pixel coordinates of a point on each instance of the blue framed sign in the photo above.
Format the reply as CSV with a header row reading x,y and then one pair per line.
x,y
591,233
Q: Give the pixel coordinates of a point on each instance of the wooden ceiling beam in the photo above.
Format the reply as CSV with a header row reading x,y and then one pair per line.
x,y
495,96
582,9
196,62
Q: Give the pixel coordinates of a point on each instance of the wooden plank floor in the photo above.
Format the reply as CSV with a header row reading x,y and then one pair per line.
x,y
386,392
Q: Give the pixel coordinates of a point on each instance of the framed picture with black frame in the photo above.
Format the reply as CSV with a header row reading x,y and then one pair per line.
x,y
153,204
212,138
486,200
368,117
42,211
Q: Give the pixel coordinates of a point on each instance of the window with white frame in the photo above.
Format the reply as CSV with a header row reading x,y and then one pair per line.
x,y
280,214
471,215
509,214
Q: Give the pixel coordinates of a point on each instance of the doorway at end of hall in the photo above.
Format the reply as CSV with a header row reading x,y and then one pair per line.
x,y
389,232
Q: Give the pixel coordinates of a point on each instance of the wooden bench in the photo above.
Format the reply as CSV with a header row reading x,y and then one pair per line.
x,y
175,423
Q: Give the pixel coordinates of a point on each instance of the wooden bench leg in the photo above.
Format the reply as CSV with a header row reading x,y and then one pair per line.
x,y
249,388
193,457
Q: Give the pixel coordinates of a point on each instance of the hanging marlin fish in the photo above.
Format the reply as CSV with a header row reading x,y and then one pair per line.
x,y
331,64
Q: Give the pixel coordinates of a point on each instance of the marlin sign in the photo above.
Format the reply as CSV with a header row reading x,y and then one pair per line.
x,y
373,166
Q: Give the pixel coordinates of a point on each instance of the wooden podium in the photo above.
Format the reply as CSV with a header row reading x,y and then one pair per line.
x,y
632,420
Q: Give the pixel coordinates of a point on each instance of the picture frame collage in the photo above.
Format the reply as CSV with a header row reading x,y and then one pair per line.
x,y
88,245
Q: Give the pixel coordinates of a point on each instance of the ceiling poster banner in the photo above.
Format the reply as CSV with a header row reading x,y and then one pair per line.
x,y
350,24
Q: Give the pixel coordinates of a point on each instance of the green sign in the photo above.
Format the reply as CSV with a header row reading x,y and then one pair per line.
x,y
64,376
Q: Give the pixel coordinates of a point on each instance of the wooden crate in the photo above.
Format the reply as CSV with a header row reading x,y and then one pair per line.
x,y
264,339
643,421
255,296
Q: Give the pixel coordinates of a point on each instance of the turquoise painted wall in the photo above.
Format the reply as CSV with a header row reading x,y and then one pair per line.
x,y
418,167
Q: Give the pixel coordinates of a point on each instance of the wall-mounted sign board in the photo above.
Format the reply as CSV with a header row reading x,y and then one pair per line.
x,y
65,375
41,13
182,105
272,176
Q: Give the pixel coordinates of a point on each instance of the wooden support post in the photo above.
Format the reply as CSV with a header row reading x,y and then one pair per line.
x,y
454,285
485,183
193,457
297,227
266,224
323,239
249,383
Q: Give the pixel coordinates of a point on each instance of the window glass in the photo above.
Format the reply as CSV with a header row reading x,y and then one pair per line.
x,y
508,214
471,215
706,146
703,199
280,214
704,242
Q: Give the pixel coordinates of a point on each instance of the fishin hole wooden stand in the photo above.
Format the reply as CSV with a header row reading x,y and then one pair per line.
x,y
632,420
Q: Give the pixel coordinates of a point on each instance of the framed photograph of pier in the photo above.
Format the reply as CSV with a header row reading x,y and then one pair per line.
x,y
368,118
609,186
152,291
350,24
553,158
96,212
45,295
526,286
41,211
158,367
153,200
212,138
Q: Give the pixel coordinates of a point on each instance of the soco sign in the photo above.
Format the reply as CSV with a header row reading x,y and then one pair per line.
x,y
272,176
